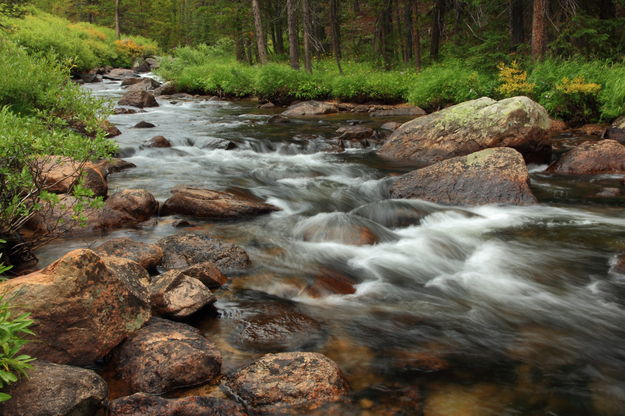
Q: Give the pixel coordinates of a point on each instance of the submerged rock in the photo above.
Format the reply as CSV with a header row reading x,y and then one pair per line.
x,y
206,203
177,295
144,125
139,99
141,404
310,108
300,380
465,128
213,143
590,158
491,176
81,308
147,255
166,355
186,250
59,390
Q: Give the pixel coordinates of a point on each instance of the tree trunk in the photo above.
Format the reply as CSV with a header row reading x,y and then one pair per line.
x,y
307,36
539,42
260,34
607,9
517,28
438,16
416,35
293,44
335,29
117,30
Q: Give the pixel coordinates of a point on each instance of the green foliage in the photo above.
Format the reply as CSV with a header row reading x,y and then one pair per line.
x,y
85,45
449,83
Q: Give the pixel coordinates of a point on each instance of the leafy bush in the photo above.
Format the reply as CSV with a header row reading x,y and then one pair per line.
x,y
513,81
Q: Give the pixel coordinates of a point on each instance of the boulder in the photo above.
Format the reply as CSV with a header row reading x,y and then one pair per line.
x,y
131,274
466,128
177,295
60,174
154,62
390,126
590,158
90,77
302,380
310,108
139,99
205,203
278,119
266,105
144,125
59,390
405,111
166,355
115,165
212,143
167,88
81,309
184,250
122,110
207,273
141,404
110,129
119,74
491,176
144,84
354,132
158,142
147,255
140,65
129,206
131,81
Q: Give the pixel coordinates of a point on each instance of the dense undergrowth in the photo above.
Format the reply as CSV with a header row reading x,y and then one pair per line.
x,y
85,45
577,91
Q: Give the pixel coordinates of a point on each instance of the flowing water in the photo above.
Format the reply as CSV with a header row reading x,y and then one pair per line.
x,y
482,311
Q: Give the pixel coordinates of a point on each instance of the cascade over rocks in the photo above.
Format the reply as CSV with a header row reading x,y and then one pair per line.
x,y
491,176
141,404
53,389
184,250
139,99
471,126
590,158
304,380
177,295
206,203
80,306
310,108
147,255
166,355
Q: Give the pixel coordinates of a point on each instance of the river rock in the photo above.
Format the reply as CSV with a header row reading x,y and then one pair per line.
x,y
123,110
354,132
167,88
130,206
139,99
207,273
144,125
310,108
177,295
302,380
213,143
590,158
119,74
140,65
115,165
465,128
60,174
110,129
331,282
278,119
184,250
147,255
141,404
206,203
131,81
158,142
144,84
131,274
491,176
166,355
81,309
399,112
59,390
390,126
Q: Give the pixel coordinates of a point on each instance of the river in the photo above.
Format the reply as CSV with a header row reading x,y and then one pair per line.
x,y
481,311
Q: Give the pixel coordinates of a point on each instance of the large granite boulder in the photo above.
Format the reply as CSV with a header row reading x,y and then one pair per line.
x,y
54,389
166,355
466,128
81,309
138,98
491,176
590,158
205,203
147,255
